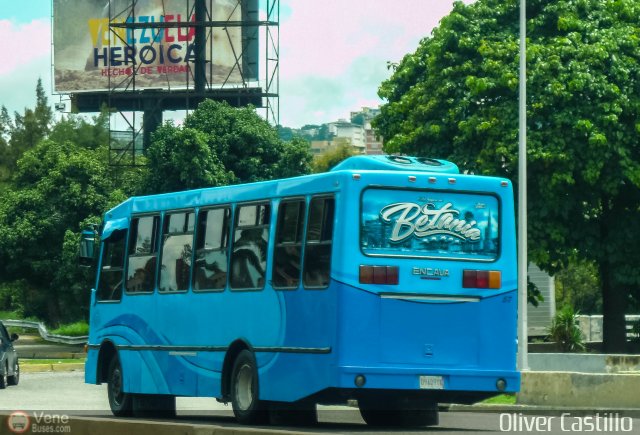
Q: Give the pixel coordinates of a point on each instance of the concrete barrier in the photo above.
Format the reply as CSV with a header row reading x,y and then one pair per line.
x,y
583,362
588,390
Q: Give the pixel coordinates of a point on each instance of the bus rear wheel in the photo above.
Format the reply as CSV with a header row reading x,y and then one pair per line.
x,y
119,401
377,413
245,399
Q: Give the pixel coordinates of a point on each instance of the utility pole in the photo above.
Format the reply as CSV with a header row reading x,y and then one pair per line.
x,y
523,263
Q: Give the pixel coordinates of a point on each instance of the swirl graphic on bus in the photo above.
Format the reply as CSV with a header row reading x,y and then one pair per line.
x,y
411,219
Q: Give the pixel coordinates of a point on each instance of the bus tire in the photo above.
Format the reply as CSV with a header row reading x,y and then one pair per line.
x,y
154,405
120,402
245,394
381,415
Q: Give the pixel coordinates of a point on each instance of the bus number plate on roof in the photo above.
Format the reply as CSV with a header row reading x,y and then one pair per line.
x,y
431,383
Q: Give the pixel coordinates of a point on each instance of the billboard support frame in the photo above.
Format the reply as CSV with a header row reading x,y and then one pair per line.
x,y
259,84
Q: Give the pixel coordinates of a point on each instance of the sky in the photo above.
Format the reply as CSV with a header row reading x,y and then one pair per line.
x,y
333,53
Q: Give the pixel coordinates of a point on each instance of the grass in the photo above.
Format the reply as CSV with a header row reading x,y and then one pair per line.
x,y
503,399
4,315
76,329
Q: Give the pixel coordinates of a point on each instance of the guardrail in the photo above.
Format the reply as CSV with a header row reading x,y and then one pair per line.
x,y
44,333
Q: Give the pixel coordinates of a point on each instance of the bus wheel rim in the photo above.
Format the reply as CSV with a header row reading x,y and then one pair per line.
x,y
244,387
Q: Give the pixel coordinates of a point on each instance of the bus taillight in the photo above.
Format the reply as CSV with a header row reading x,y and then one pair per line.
x,y
379,275
481,279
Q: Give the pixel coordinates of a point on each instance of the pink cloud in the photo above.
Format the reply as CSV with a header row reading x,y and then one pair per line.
x,y
325,37
26,42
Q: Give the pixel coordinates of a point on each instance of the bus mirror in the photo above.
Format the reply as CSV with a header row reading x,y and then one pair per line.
x,y
87,247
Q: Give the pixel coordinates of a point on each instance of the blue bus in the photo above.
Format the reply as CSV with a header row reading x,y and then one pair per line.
x,y
389,280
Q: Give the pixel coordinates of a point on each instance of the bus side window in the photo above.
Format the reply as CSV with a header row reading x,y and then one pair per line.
x,y
288,246
317,254
143,253
112,267
249,256
212,242
177,248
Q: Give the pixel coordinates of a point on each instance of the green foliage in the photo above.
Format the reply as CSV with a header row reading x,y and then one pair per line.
x,y
78,130
331,158
180,159
578,286
76,329
502,399
564,331
218,145
456,98
55,188
12,299
27,129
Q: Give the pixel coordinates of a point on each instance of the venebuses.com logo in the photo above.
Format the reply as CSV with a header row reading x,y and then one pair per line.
x,y
18,422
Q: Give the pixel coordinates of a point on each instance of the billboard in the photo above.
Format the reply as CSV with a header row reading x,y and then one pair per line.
x,y
90,54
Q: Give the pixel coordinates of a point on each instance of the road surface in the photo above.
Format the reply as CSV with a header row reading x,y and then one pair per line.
x,y
66,393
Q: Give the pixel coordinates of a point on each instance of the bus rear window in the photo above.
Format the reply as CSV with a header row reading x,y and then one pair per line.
x,y
418,223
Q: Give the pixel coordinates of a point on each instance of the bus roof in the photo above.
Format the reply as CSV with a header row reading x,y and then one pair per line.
x,y
385,167
397,163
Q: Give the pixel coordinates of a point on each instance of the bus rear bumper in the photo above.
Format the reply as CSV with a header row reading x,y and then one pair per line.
x,y
430,379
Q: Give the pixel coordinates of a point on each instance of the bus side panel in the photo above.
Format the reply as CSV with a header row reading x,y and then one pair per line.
x,y
91,367
292,377
310,327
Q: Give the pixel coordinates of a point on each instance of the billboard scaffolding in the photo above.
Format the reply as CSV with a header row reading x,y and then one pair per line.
x,y
150,56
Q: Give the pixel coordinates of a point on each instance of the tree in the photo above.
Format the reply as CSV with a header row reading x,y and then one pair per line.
x,y
296,158
577,286
219,144
6,159
181,159
55,188
456,98
332,157
25,131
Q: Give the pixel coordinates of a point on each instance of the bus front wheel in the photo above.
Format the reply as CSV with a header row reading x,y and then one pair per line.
x,y
376,413
119,401
247,406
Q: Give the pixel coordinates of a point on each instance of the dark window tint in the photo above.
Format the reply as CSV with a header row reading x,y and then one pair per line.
x,y
143,253
210,272
176,251
112,267
317,256
288,246
249,257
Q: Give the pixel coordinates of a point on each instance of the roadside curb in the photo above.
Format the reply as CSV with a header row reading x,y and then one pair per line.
x,y
540,410
64,367
50,355
110,426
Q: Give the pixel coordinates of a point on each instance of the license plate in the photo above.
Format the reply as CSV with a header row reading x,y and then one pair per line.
x,y
431,383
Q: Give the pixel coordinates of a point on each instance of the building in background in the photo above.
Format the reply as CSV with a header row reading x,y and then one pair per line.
x,y
356,133
372,143
539,318
348,133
